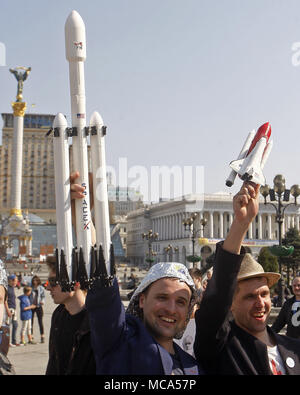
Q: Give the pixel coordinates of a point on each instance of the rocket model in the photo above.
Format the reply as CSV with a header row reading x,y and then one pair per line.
x,y
253,157
80,261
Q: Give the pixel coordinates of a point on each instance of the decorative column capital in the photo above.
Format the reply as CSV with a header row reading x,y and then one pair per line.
x,y
19,108
15,211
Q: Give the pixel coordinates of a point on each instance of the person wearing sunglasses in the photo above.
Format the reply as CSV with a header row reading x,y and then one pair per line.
x,y
70,351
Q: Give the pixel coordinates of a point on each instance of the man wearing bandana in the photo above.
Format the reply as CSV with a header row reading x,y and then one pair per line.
x,y
140,340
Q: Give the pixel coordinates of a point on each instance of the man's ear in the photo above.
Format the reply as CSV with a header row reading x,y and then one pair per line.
x,y
141,300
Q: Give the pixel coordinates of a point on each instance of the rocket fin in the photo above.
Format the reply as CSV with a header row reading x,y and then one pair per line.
x,y
258,177
93,263
63,274
237,164
112,261
82,274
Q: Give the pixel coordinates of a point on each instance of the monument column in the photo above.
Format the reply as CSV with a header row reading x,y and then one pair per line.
x,y
16,225
17,156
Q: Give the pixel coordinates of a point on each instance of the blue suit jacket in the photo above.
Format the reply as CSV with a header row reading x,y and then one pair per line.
x,y
121,343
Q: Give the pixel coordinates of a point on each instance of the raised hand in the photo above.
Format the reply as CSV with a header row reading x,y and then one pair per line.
x,y
246,203
245,207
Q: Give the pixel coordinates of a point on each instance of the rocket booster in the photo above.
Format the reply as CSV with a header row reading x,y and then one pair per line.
x,y
75,41
101,209
62,191
230,180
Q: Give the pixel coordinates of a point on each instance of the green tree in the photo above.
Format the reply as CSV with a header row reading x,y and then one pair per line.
x,y
268,261
292,238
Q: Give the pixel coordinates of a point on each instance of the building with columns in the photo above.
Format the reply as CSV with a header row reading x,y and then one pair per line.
x,y
175,243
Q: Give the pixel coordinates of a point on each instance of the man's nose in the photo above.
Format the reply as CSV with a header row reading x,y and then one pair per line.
x,y
260,301
171,306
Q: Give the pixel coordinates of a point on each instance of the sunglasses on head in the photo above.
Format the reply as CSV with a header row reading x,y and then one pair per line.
x,y
52,282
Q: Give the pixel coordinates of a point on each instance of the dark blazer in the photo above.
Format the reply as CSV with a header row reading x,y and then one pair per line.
x,y
121,343
285,318
222,347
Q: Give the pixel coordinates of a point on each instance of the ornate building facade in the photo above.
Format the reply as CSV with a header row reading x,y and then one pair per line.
x,y
175,243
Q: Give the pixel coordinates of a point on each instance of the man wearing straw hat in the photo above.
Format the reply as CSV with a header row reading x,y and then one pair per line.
x,y
232,335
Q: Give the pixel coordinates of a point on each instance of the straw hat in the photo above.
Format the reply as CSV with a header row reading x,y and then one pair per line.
x,y
250,269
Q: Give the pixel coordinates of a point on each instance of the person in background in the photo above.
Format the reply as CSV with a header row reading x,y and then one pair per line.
x,y
12,319
290,313
70,351
196,275
3,309
26,308
38,299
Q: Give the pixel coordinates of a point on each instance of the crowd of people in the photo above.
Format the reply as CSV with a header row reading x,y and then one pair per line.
x,y
176,323
30,304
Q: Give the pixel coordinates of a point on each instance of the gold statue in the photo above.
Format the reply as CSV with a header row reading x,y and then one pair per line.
x,y
21,77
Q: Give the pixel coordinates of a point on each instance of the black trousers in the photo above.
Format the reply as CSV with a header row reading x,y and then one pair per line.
x,y
39,313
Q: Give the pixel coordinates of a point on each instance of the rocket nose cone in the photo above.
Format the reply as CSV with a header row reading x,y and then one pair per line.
x,y
96,119
265,129
75,38
74,20
60,121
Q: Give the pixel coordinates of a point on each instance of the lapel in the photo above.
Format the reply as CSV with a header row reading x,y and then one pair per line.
x,y
186,361
288,355
166,360
190,367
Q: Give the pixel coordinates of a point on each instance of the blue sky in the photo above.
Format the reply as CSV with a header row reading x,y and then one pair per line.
x,y
177,82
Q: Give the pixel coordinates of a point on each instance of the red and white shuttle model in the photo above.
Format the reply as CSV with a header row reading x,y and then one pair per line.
x,y
253,157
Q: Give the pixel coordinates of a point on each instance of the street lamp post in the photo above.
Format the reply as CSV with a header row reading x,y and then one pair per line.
x,y
169,249
150,237
280,194
188,224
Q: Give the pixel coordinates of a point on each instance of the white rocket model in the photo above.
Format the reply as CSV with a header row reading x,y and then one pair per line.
x,y
101,208
84,262
76,55
62,192
253,157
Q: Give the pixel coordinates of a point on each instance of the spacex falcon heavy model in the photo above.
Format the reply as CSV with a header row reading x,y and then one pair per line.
x,y
82,261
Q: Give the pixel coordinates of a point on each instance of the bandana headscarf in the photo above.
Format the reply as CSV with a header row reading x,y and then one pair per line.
x,y
157,272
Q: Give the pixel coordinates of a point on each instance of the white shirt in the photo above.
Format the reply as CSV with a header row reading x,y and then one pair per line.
x,y
275,361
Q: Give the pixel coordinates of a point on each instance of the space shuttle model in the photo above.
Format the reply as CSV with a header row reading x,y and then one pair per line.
x,y
80,259
253,157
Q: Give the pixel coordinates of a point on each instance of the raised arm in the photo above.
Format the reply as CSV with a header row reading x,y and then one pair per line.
x,y
211,318
245,207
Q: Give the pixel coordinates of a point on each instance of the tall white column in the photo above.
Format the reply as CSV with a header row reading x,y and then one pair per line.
x,y
283,227
250,231
297,222
211,224
201,227
17,156
260,226
270,226
221,225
